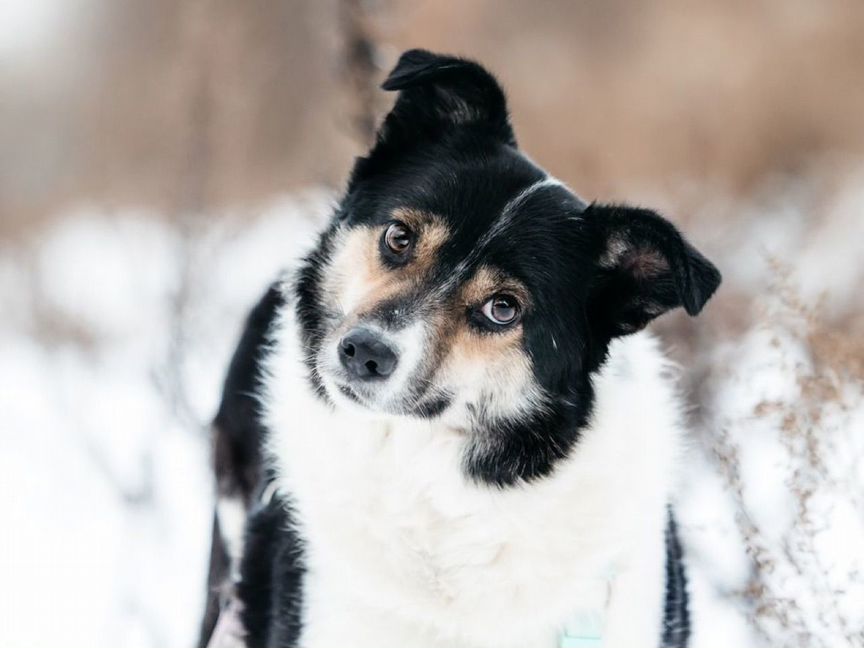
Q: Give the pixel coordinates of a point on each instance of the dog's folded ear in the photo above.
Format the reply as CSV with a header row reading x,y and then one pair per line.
x,y
644,268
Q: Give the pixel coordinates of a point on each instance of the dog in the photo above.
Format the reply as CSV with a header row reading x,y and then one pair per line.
x,y
447,427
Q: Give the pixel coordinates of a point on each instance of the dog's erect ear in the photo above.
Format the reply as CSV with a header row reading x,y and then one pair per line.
x,y
644,268
437,92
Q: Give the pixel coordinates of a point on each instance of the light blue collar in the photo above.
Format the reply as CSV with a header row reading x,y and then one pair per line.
x,y
585,628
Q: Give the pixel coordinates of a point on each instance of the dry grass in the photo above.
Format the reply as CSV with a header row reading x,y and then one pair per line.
x,y
795,595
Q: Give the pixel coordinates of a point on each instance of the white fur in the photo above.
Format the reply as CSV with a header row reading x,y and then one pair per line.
x,y
403,552
231,513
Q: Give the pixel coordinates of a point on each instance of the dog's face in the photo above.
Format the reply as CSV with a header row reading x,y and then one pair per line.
x,y
458,281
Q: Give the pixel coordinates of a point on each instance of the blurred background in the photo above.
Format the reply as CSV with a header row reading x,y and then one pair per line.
x,y
160,161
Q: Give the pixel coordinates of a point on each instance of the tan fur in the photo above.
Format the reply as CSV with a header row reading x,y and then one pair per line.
x,y
496,360
500,356
487,282
356,278
432,233
358,281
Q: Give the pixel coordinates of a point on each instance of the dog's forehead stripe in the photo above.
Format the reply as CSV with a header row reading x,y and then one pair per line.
x,y
499,227
511,209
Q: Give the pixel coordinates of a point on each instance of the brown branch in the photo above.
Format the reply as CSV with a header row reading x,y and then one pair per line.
x,y
359,65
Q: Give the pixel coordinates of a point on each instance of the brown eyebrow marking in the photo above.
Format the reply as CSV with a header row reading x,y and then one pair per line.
x,y
357,261
457,343
488,281
432,233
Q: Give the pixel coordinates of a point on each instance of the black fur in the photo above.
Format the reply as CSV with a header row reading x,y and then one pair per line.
x,y
237,441
594,272
651,269
238,426
271,585
676,612
437,95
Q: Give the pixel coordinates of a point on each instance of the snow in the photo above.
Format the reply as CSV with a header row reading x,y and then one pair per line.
x,y
774,517
118,332
800,491
117,328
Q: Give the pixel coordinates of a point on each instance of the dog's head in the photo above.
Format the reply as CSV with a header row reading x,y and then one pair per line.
x,y
459,281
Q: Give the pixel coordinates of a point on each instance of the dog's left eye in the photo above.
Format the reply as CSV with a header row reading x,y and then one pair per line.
x,y
501,310
398,239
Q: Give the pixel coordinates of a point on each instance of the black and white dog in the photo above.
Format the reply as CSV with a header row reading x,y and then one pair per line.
x,y
445,429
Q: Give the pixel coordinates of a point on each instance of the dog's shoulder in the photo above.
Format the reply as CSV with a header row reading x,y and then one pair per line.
x,y
238,427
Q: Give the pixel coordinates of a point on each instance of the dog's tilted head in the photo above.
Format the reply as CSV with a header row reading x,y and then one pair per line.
x,y
459,281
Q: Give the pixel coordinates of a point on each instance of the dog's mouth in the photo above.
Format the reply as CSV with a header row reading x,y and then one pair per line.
x,y
362,395
426,406
433,407
350,394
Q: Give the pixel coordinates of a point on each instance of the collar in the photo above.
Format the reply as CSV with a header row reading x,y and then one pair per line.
x,y
585,630
585,627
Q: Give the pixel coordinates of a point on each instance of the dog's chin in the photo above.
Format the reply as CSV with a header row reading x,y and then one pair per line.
x,y
352,398
363,400
347,398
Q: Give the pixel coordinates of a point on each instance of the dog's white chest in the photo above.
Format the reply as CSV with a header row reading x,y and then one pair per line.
x,y
402,550
395,529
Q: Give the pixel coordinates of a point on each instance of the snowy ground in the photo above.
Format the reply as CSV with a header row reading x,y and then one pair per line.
x,y
117,327
115,335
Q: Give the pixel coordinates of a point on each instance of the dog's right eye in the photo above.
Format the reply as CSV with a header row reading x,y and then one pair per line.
x,y
398,240
502,310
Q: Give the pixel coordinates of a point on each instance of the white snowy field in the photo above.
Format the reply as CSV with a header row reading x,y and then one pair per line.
x,y
116,332
116,329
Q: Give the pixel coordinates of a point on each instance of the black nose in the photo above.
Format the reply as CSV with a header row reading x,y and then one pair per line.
x,y
365,356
